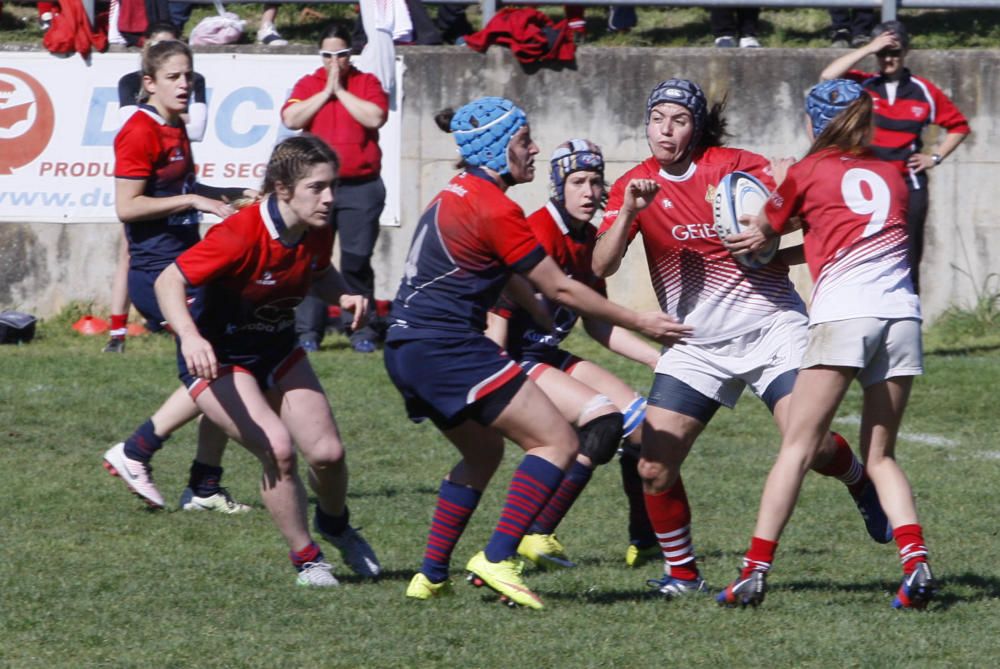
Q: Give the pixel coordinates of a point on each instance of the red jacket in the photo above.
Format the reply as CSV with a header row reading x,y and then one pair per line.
x,y
71,31
529,34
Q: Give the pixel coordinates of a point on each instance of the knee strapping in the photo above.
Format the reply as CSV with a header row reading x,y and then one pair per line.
x,y
593,404
600,437
633,415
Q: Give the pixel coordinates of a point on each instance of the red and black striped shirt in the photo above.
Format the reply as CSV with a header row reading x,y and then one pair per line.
x,y
900,121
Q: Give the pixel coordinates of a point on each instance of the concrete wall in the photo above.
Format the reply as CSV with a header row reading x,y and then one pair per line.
x,y
601,97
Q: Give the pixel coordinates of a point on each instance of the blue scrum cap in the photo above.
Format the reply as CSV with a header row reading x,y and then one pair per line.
x,y
576,155
483,129
685,93
827,99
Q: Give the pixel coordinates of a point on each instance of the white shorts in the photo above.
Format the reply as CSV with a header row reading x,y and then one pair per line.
x,y
722,370
879,348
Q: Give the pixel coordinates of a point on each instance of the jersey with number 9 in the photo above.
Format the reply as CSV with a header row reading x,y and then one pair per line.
x,y
853,210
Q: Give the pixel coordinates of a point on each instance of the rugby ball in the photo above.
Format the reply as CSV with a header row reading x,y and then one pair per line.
x,y
740,194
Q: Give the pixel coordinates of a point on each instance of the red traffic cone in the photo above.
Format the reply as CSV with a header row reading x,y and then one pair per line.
x,y
89,325
136,330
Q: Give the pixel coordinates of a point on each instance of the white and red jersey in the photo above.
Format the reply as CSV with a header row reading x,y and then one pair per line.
x,y
853,209
695,278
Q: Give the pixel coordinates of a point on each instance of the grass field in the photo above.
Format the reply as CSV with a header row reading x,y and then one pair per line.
x,y
91,579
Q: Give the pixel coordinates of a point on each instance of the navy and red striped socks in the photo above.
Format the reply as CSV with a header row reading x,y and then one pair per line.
x,y
310,553
534,482
143,443
455,506
670,515
573,483
204,480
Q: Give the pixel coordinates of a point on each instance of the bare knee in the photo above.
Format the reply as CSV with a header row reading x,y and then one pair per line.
x,y
326,453
657,476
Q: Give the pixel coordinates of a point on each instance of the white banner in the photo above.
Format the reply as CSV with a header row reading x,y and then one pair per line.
x,y
58,119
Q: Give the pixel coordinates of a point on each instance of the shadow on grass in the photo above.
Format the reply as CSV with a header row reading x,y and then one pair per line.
x,y
984,588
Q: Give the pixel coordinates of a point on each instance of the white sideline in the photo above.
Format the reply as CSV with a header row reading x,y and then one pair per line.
x,y
918,437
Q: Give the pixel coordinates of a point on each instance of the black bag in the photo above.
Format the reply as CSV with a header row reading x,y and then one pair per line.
x,y
16,327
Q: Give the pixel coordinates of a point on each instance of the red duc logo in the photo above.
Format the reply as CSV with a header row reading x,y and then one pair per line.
x,y
26,119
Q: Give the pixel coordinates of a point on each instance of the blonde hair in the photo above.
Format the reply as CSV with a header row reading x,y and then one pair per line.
x,y
292,159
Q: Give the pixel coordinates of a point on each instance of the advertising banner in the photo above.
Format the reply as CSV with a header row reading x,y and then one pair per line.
x,y
59,117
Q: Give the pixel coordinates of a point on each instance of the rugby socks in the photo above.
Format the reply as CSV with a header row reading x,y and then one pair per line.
x,y
759,557
455,506
910,542
333,525
143,443
573,483
310,553
119,326
640,532
204,479
845,466
670,515
534,482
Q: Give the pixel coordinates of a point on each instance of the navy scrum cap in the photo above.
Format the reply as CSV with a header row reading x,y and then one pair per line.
x,y
827,99
483,129
685,93
576,155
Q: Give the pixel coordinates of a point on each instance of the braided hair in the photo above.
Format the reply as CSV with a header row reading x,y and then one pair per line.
x,y
292,159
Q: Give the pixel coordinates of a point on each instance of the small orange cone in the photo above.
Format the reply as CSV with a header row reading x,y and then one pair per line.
x,y
89,325
137,330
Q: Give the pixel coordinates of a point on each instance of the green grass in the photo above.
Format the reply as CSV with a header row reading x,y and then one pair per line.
x,y
91,579
661,27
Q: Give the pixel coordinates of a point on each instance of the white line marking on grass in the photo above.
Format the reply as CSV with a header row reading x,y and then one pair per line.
x,y
918,437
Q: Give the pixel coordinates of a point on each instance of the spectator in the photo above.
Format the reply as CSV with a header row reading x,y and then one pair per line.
x,y
732,26
267,34
905,104
850,27
345,108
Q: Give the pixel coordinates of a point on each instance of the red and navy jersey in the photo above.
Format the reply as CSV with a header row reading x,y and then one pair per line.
x,y
465,246
695,278
148,148
573,250
253,281
900,120
853,209
356,146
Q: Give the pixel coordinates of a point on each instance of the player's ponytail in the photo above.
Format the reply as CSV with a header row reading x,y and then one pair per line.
x,y
292,159
442,120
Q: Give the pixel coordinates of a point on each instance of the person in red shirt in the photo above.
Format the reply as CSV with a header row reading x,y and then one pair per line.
x,y
864,324
905,104
749,323
468,242
603,408
344,107
240,362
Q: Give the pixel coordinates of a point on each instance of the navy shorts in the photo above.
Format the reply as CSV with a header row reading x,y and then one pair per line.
x,y
266,368
451,380
672,394
143,296
535,362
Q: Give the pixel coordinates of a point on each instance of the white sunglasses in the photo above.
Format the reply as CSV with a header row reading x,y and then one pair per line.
x,y
335,54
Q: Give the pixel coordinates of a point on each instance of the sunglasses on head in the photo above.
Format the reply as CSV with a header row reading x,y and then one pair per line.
x,y
890,53
335,54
